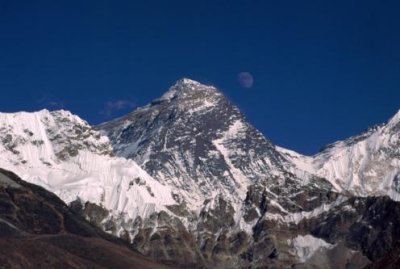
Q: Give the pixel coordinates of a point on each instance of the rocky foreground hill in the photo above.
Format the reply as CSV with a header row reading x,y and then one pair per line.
x,y
38,230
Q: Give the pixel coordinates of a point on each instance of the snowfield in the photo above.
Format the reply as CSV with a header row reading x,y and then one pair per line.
x,y
31,147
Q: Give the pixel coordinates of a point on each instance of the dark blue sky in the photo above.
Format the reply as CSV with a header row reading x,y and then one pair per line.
x,y
323,70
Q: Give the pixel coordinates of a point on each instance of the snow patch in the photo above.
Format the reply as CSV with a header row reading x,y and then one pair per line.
x,y
305,246
299,216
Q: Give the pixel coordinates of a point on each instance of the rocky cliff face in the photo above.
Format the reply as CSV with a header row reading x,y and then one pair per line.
x,y
187,180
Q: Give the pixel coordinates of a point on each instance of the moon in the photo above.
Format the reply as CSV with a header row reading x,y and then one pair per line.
x,y
246,79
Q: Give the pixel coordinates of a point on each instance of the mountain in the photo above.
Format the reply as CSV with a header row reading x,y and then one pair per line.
x,y
364,165
188,180
38,230
61,152
194,139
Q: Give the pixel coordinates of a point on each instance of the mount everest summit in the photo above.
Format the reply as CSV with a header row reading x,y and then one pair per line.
x,y
186,180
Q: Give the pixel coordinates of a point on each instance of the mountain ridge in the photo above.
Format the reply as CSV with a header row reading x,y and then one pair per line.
x,y
188,179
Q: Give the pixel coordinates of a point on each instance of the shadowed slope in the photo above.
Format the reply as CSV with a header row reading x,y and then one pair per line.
x,y
38,230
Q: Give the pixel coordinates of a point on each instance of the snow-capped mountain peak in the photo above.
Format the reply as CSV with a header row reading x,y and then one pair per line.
x,y
188,89
187,81
365,164
61,152
58,132
193,134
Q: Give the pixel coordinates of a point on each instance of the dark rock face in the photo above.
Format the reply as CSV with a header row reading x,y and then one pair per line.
x,y
70,252
38,230
176,140
390,260
31,209
371,225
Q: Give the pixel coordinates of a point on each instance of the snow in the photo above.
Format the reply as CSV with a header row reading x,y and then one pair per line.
x,y
365,165
362,166
234,132
299,216
395,120
181,84
91,175
304,163
306,246
204,105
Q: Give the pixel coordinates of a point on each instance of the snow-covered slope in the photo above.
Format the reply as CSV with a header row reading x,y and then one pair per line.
x,y
62,153
366,165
